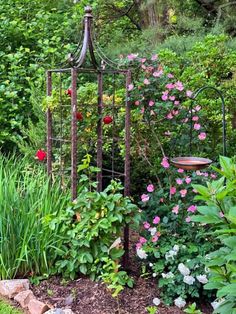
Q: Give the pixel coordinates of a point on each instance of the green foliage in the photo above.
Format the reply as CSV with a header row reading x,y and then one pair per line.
x,y
152,309
115,279
192,309
220,214
27,204
7,309
89,228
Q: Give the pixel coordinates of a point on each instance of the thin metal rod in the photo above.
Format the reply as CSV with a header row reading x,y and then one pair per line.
x,y
99,131
49,127
220,94
127,166
73,133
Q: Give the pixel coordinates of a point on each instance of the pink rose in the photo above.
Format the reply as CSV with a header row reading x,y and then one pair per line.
x,y
151,103
144,198
180,170
198,108
197,126
155,238
175,210
154,57
202,136
156,220
176,102
170,86
188,180
192,208
172,190
146,82
137,103
179,181
183,192
130,87
188,219
213,176
189,93
165,163
150,188
143,60
169,116
195,118
157,73
170,75
142,240
179,85
146,225
172,98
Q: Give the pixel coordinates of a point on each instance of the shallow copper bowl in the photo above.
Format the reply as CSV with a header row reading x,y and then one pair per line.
x,y
191,163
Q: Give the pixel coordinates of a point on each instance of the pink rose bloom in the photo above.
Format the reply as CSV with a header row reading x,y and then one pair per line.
x,y
197,126
142,110
146,225
179,181
156,220
198,108
154,57
180,170
146,82
198,173
132,56
138,246
221,214
157,73
183,192
137,103
172,98
130,87
150,188
205,174
188,180
144,198
155,238
142,240
149,69
195,118
170,86
170,75
213,176
172,190
185,120
189,93
143,60
165,163
202,136
164,97
179,85
169,116
188,219
175,112
151,103
176,103
192,208
167,133
143,67
175,210
161,200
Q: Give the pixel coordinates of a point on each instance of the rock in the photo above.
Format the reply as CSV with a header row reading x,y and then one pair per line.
x,y
37,307
59,311
9,288
24,298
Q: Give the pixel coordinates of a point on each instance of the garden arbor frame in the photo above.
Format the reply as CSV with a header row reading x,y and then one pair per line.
x,y
99,65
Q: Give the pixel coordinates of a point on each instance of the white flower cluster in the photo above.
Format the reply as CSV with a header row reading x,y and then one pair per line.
x,y
171,253
141,253
156,301
180,302
188,279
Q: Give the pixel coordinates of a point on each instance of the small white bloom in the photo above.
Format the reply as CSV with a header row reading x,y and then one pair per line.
x,y
179,302
189,280
151,264
184,270
168,275
156,301
176,248
153,230
217,303
154,275
202,278
141,253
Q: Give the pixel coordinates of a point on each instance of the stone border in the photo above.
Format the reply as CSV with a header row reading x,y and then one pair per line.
x,y
18,289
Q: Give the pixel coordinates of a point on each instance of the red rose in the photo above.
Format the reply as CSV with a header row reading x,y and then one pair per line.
x,y
79,116
107,120
41,155
69,92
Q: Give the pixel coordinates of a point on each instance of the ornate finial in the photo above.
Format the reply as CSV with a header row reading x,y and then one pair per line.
x,y
88,11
